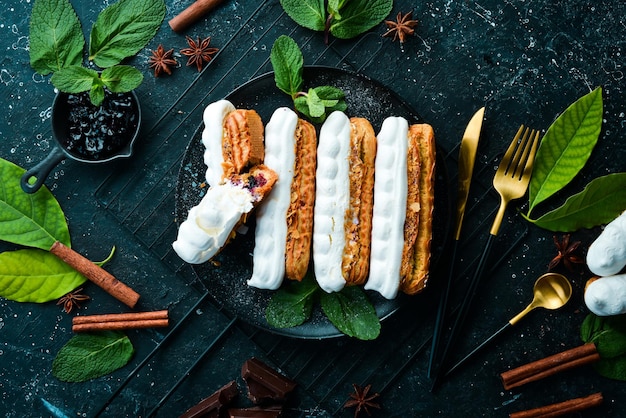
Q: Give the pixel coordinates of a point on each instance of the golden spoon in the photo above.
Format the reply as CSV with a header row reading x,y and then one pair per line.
x,y
551,291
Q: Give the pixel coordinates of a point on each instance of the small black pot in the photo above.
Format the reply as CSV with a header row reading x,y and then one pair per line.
x,y
83,137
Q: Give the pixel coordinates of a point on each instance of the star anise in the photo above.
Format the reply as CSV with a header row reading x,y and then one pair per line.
x,y
401,28
162,61
70,301
199,52
362,400
567,253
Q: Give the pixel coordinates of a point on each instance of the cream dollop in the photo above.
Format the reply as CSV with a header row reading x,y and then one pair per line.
x,y
212,137
271,219
390,197
332,197
210,223
606,296
607,254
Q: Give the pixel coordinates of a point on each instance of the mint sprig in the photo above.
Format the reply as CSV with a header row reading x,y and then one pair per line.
x,y
349,310
288,63
341,18
89,356
120,31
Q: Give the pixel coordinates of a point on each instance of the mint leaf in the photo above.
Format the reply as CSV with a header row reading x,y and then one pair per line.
x,y
121,78
96,94
74,79
359,16
608,333
123,29
307,13
292,304
33,275
33,220
609,336
351,312
56,37
320,102
88,356
565,148
602,200
287,61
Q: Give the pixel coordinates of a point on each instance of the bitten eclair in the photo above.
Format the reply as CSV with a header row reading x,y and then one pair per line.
x,y
233,139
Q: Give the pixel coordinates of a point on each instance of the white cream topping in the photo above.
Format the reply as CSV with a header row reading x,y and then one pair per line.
x,y
212,137
210,223
607,254
390,197
332,197
271,219
606,296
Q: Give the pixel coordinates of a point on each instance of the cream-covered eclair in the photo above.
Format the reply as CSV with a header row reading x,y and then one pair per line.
x,y
233,140
284,221
343,202
390,204
415,267
211,223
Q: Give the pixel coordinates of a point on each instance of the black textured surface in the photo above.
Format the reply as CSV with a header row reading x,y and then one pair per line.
x,y
526,61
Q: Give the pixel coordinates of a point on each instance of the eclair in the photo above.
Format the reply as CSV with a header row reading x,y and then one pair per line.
x,y
233,140
211,224
343,202
390,207
284,222
403,208
416,254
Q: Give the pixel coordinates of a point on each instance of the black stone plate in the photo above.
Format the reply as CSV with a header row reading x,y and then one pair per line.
x,y
226,277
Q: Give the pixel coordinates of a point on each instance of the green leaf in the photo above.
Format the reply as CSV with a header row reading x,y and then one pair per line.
x,y
358,16
287,61
123,29
609,335
96,94
121,78
320,102
74,79
88,356
351,312
56,37
33,275
601,201
566,147
307,13
292,304
33,220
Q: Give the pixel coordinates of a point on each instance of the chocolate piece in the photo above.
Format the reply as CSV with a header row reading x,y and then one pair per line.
x,y
255,412
215,405
264,383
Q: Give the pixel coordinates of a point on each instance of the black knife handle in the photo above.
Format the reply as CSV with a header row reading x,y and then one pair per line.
x,y
464,309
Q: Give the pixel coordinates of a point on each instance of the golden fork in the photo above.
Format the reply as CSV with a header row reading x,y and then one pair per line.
x,y
511,182
513,175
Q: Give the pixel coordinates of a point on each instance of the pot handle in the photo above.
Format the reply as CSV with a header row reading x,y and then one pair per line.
x,y
40,171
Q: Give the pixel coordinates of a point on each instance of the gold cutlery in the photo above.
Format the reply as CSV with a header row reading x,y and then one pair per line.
x,y
511,182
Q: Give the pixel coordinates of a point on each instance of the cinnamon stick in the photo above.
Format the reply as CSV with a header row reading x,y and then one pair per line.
x,y
550,365
192,13
108,322
96,274
562,408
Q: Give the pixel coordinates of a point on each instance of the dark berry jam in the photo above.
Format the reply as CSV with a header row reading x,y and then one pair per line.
x,y
97,133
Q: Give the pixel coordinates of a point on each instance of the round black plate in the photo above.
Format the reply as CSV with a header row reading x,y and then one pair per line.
x,y
226,277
